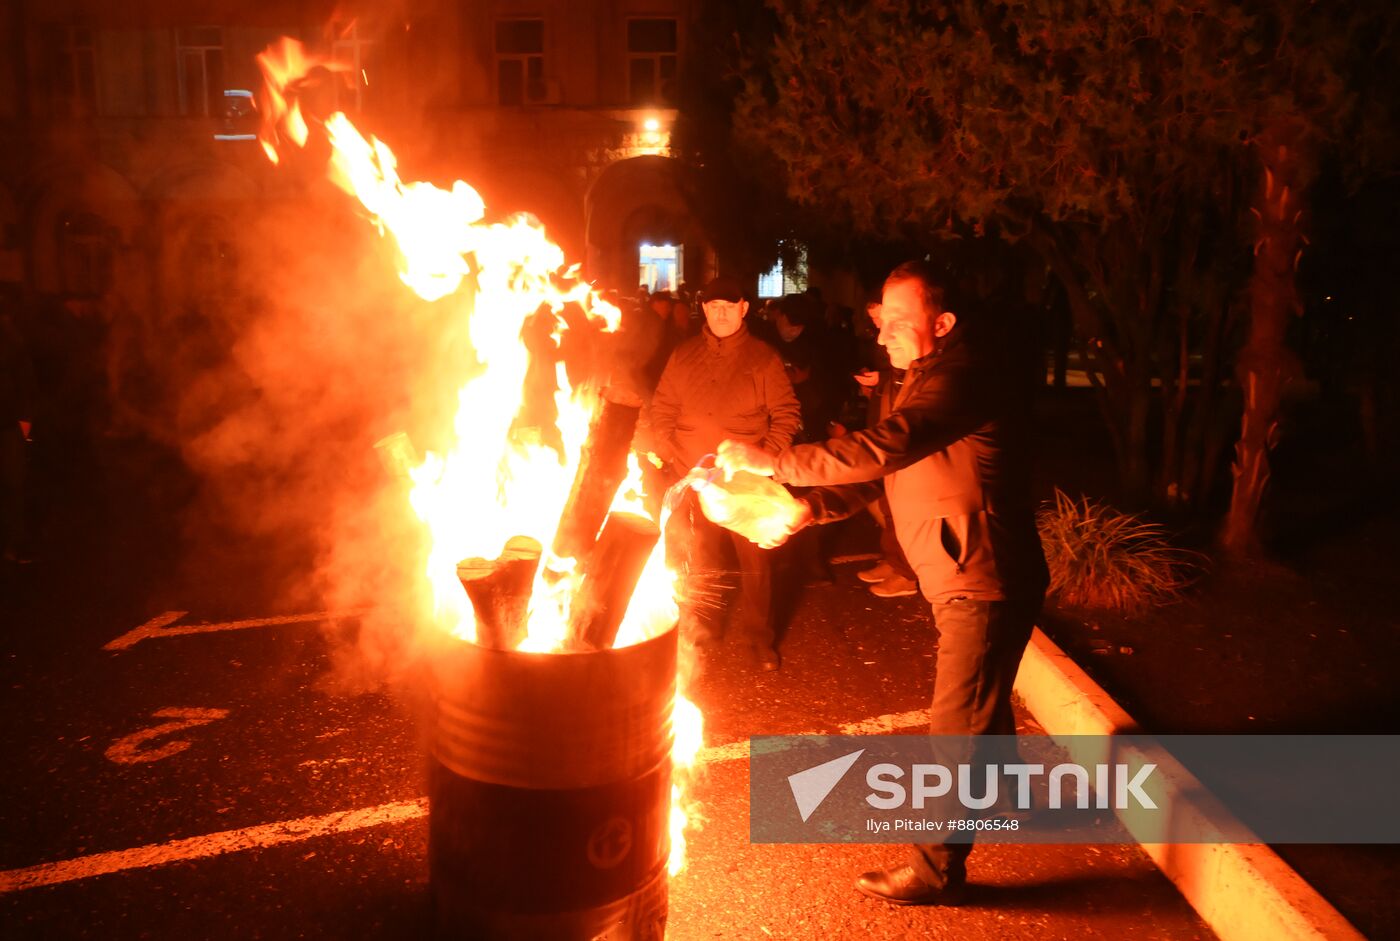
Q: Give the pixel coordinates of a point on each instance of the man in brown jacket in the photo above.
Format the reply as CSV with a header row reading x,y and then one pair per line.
x,y
725,384
951,448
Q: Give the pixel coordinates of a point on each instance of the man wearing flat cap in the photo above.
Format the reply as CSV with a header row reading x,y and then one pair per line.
x,y
725,384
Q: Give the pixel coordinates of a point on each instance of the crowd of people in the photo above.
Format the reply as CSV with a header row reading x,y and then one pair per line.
x,y
703,368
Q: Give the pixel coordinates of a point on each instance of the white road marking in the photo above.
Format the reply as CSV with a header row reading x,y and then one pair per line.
x,y
307,828
883,725
714,754
156,626
127,750
149,629
211,844
876,725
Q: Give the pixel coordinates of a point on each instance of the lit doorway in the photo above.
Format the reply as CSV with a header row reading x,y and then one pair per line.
x,y
660,267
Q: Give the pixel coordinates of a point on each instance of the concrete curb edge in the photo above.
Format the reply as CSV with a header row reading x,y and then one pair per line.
x,y
1243,891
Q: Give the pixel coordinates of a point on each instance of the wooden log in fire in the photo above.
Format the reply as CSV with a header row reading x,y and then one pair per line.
x,y
609,580
601,468
499,590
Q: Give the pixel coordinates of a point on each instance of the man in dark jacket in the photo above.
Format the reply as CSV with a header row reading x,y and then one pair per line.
x,y
951,449
725,384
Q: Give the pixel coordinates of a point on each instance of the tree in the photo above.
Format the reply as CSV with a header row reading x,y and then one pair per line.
x,y
736,186
1117,139
1312,66
738,193
1092,132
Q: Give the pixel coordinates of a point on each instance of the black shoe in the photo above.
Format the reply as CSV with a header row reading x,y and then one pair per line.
x,y
766,658
900,886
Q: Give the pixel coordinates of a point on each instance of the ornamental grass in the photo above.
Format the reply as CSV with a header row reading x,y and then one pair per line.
x,y
1100,557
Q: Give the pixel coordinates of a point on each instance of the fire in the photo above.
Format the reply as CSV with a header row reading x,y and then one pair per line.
x,y
688,726
497,480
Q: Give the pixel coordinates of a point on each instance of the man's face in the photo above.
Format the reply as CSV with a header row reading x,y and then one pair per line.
x,y
788,330
725,317
907,329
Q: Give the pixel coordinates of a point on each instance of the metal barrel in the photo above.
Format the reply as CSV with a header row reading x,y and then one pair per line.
x,y
550,791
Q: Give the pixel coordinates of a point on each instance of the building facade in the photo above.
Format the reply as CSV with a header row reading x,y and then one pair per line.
x,y
130,149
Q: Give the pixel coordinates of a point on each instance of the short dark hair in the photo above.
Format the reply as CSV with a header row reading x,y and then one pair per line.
x,y
923,274
795,308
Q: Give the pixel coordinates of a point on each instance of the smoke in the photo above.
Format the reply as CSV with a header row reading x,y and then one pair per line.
x,y
281,348
273,348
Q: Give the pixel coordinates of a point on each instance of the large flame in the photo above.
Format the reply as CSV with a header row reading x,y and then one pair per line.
x,y
496,480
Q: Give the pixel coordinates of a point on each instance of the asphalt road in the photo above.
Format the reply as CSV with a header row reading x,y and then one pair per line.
x,y
238,782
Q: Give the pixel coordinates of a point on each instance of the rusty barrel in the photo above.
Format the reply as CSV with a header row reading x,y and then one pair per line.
x,y
549,792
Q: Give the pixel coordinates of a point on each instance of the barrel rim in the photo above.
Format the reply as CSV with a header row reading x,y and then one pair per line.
x,y
564,652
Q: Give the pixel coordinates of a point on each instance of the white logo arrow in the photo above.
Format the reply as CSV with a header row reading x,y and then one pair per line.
x,y
810,787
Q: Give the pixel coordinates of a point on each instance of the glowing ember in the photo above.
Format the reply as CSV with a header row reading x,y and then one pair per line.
x,y
497,480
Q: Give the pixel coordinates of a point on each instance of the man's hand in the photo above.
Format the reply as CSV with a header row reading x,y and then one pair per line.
x,y
735,456
777,535
868,378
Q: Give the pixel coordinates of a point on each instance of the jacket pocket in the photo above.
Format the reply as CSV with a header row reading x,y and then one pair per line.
x,y
953,537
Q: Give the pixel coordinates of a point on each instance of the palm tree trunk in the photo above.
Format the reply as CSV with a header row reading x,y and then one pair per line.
x,y
1266,367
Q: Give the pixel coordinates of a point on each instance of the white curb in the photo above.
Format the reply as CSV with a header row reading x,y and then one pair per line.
x,y
1244,891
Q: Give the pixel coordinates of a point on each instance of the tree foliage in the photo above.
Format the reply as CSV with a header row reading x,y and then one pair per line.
x,y
1113,136
737,187
995,112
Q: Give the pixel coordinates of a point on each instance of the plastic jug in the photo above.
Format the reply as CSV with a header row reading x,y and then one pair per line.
x,y
754,507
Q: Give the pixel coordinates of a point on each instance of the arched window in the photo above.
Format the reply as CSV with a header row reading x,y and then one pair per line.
x,y
200,277
85,249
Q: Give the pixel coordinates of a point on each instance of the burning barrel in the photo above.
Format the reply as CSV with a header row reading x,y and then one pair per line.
x,y
549,791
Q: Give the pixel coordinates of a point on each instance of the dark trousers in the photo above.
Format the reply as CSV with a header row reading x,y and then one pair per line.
x,y
709,575
979,650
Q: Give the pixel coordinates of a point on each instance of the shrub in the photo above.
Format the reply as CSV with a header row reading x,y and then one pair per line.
x,y
1102,558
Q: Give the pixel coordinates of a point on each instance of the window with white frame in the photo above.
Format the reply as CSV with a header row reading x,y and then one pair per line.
x,y
199,58
653,55
76,70
520,62
785,279
352,51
